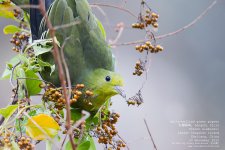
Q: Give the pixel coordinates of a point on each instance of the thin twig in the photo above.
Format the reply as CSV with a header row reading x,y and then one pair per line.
x,y
82,119
11,77
79,122
150,134
56,56
64,140
174,32
191,23
114,6
20,111
100,10
20,78
120,31
66,67
67,25
75,22
103,13
21,134
123,141
27,6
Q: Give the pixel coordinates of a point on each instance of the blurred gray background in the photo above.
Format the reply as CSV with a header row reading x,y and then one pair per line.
x,y
185,82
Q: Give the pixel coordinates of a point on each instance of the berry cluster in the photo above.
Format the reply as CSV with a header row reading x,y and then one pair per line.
x,y
79,91
19,40
54,95
136,99
149,47
139,25
133,102
17,13
107,131
146,18
139,68
25,143
150,18
6,140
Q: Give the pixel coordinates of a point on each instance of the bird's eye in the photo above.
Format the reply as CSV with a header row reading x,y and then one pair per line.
x,y
107,78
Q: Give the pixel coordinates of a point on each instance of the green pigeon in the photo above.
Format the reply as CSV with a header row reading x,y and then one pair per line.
x,y
89,58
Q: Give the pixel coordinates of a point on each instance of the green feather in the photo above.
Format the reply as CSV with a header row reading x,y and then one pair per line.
x,y
86,52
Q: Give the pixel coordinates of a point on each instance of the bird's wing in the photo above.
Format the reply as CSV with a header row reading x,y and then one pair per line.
x,y
84,44
60,14
97,52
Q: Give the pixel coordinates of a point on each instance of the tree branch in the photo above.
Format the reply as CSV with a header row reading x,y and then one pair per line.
x,y
150,134
116,7
57,58
203,14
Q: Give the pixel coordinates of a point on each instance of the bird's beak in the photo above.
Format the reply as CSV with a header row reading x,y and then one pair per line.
x,y
120,91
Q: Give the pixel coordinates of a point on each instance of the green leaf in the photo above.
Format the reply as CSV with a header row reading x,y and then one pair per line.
x,y
15,60
41,49
20,73
43,46
92,144
8,70
32,85
32,112
43,63
84,146
20,124
68,145
11,29
101,28
8,111
42,110
75,114
23,59
46,64
27,17
52,69
6,74
87,143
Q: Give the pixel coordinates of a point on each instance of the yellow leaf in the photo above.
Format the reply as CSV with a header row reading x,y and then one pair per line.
x,y
6,10
46,123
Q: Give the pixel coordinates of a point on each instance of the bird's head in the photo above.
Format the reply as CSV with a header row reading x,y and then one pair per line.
x,y
105,82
